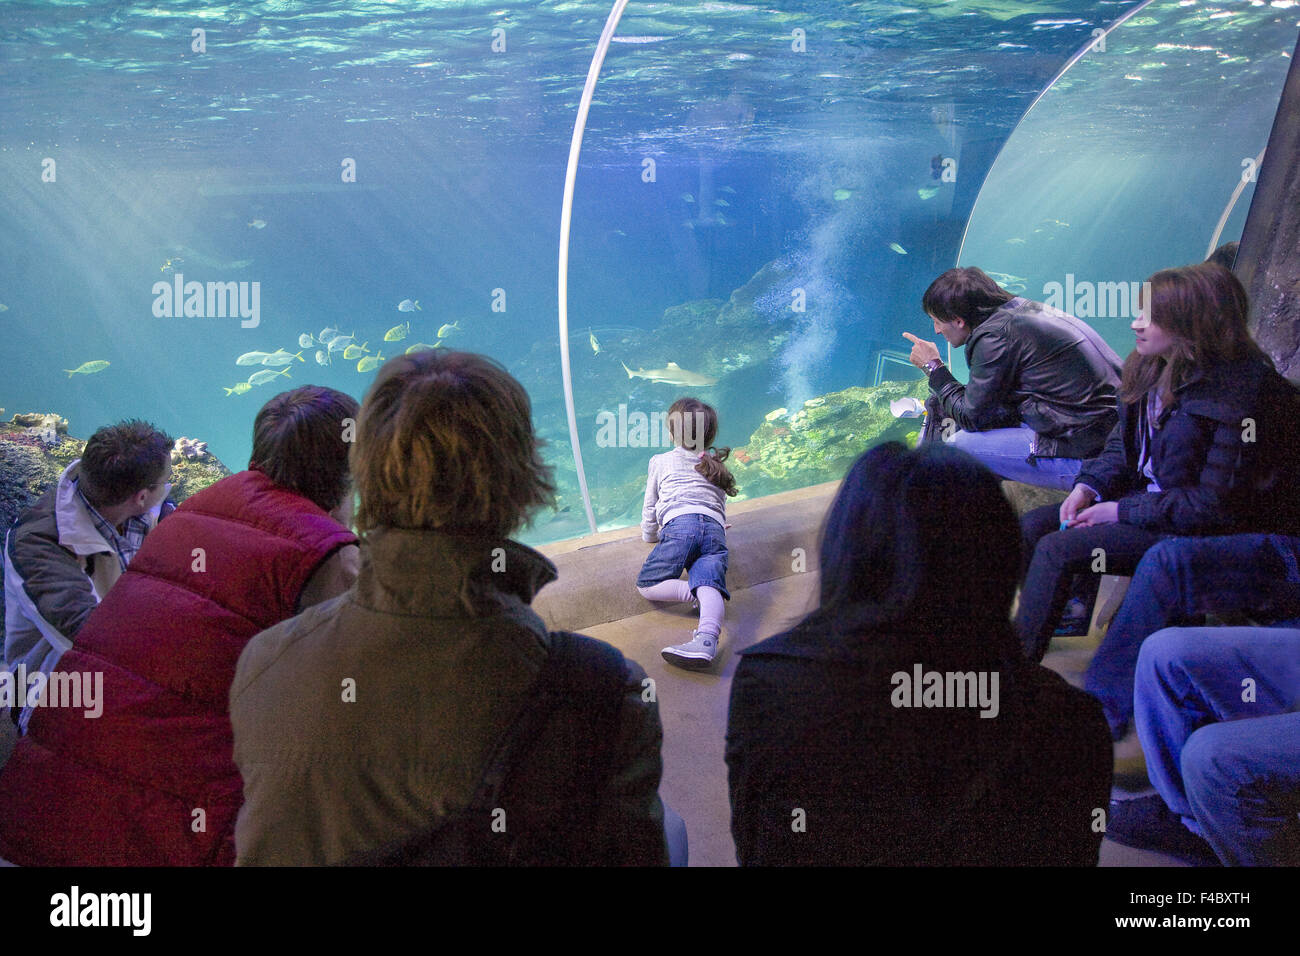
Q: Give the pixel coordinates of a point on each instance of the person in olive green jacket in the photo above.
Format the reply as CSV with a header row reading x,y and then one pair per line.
x,y
364,721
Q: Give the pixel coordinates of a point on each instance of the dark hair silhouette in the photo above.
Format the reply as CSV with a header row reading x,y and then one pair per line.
x,y
1225,255
922,541
445,441
120,460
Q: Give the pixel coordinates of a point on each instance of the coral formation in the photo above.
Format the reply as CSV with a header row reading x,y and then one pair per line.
x,y
189,448
41,421
820,441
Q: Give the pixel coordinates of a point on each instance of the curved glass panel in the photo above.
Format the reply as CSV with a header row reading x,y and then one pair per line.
x,y
1129,162
760,236
764,195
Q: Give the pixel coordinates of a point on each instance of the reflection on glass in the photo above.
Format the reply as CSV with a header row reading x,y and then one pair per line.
x,y
1139,157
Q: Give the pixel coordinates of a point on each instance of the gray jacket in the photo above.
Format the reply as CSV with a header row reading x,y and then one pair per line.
x,y
1035,364
57,569
673,487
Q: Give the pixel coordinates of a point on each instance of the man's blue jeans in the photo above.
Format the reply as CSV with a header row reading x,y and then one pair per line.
x,y
1005,451
1216,714
1177,582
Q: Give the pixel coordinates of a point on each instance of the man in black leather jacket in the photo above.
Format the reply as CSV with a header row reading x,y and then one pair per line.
x,y
1041,394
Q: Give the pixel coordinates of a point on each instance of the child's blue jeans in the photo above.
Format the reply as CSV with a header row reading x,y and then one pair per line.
x,y
693,541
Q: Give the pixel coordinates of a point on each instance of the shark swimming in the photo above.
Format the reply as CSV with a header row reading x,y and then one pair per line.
x,y
671,374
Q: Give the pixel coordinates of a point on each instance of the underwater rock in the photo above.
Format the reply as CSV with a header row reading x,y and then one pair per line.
x,y
42,422
23,469
30,462
28,465
186,448
696,313
192,475
47,435
742,306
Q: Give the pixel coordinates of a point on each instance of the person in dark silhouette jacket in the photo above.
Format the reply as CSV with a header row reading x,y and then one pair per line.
x,y
898,723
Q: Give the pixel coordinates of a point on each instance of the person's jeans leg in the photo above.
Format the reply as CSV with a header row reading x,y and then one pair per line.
x,y
1243,784
1190,677
1177,582
675,837
1057,557
1005,451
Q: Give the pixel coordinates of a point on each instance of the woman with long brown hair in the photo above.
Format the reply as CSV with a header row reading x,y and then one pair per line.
x,y
1180,461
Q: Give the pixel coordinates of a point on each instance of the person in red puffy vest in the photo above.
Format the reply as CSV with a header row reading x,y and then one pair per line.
x,y
128,760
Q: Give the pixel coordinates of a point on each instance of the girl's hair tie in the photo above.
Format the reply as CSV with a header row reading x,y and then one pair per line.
x,y
702,454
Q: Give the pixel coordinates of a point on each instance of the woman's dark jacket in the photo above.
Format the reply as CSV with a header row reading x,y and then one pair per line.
x,y
824,769
1223,455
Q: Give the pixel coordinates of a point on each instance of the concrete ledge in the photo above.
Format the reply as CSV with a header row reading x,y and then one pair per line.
x,y
1028,497
597,582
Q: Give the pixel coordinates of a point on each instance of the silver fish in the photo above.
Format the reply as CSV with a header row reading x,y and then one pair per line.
x,y
264,376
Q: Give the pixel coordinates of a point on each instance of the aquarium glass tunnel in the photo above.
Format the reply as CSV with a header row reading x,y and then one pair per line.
x,y
760,193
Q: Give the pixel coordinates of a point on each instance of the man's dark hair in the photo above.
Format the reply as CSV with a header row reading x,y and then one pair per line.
x,y
1225,255
299,443
964,293
120,460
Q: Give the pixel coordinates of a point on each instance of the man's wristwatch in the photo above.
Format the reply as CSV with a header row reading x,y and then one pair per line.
x,y
931,365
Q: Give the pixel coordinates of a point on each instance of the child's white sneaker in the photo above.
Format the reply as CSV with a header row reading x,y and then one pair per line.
x,y
696,655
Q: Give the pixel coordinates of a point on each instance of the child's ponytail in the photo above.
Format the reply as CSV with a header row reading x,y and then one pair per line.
x,y
711,467
694,425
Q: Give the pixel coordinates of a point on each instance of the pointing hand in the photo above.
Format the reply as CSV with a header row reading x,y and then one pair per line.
x,y
922,351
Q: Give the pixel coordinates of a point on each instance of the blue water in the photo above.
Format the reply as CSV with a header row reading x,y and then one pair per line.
x,y
161,152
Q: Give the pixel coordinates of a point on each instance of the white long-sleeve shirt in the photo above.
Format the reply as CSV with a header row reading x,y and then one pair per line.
x,y
674,488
